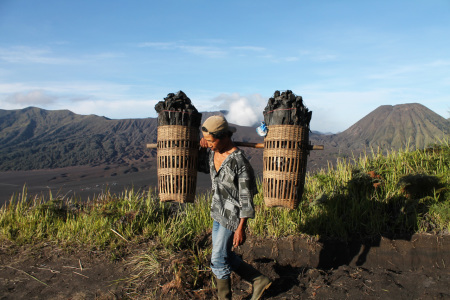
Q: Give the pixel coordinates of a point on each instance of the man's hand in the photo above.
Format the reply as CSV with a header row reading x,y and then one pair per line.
x,y
203,143
239,235
239,238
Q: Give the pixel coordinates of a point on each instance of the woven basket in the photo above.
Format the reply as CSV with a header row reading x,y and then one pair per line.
x,y
177,162
284,159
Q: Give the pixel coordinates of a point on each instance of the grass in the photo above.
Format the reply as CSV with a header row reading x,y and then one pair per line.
x,y
392,194
401,192
107,222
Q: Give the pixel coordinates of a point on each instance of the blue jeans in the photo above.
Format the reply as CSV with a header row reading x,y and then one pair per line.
x,y
223,260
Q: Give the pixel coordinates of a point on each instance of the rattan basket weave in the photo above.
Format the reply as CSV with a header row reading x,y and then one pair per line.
x,y
284,163
177,162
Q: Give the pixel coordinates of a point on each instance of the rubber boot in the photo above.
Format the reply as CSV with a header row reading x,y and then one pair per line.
x,y
259,282
224,289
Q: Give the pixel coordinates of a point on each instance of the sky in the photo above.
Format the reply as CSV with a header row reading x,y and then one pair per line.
x,y
119,58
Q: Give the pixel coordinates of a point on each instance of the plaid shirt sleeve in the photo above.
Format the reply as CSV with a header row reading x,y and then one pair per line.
x,y
247,189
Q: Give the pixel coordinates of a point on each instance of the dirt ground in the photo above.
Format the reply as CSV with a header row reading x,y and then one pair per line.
x,y
48,272
411,268
83,182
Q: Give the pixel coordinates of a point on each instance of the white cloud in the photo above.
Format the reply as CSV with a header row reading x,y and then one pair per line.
x,y
101,98
21,54
46,56
208,48
71,90
9,88
204,51
157,45
4,72
105,55
439,63
332,111
35,97
395,71
337,111
115,109
445,81
249,48
291,59
319,55
208,51
325,57
242,110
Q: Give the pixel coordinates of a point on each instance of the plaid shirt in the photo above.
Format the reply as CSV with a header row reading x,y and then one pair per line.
x,y
233,187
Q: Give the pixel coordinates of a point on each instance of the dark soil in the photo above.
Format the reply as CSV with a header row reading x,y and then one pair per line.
x,y
52,273
83,182
48,272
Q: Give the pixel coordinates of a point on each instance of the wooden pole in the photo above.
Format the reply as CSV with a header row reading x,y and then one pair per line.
x,y
251,145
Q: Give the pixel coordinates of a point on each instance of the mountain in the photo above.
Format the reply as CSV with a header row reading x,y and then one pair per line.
x,y
396,127
34,138
386,128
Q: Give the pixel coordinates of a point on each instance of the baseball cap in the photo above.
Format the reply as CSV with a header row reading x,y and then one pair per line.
x,y
216,124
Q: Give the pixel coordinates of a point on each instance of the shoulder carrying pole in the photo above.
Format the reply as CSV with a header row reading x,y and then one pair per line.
x,y
252,145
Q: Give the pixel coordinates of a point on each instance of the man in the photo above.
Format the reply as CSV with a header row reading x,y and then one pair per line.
x,y
233,187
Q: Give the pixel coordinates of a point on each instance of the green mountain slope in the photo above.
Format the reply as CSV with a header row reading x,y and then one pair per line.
x,y
34,138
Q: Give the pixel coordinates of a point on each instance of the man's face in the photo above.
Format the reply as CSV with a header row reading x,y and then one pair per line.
x,y
213,143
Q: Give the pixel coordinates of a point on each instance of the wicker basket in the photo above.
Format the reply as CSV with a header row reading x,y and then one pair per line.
x,y
177,162
284,159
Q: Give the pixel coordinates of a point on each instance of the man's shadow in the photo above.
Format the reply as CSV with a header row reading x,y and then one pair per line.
x,y
288,278
353,206
364,220
354,210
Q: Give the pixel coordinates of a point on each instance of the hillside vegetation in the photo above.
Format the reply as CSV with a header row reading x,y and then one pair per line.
x,y
397,194
393,195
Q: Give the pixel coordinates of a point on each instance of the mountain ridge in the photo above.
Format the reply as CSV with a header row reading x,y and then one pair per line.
x,y
34,138
397,126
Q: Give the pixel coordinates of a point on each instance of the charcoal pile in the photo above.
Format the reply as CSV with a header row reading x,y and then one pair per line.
x,y
286,109
177,109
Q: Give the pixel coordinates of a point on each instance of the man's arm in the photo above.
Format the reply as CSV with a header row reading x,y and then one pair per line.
x,y
239,235
203,157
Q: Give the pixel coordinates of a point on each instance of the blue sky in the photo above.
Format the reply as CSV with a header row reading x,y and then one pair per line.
x,y
119,58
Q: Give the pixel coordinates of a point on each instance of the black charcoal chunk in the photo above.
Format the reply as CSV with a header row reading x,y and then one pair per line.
x,y
286,108
177,109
